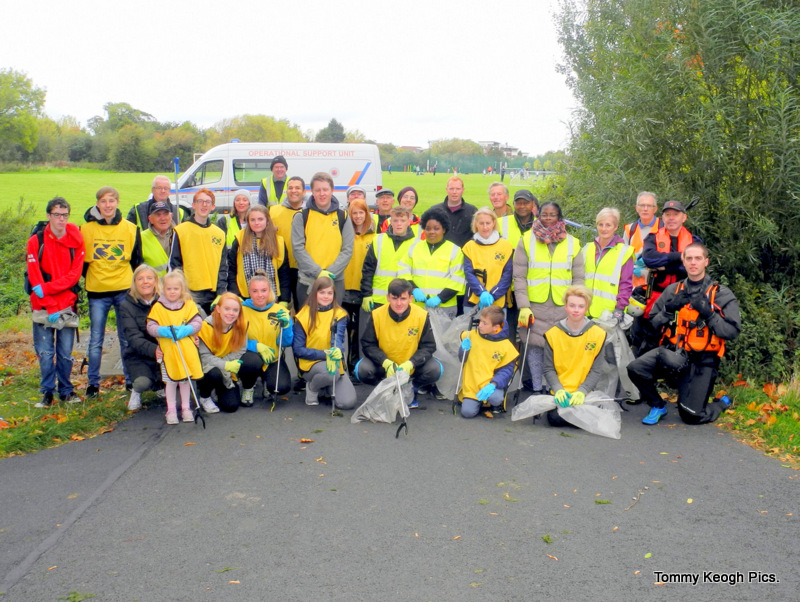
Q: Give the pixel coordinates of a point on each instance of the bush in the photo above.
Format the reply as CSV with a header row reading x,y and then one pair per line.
x,y
15,224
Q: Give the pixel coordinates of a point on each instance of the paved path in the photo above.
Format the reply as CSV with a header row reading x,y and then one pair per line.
x,y
456,511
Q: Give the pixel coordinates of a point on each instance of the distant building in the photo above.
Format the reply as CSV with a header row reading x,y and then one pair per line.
x,y
492,145
410,149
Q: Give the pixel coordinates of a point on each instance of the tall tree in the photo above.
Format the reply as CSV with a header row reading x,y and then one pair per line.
x,y
254,128
21,104
333,132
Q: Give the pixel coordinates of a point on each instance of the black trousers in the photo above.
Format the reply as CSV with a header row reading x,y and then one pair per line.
x,y
367,372
695,383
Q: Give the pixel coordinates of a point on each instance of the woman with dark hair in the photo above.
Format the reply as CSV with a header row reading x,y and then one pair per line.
x,y
408,199
259,247
547,261
435,266
319,331
142,354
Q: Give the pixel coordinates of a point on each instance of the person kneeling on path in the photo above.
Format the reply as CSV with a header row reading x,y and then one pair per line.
x,y
319,331
707,316
488,365
574,358
398,336
223,341
269,329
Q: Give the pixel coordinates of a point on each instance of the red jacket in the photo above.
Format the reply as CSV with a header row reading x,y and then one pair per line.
x,y
64,272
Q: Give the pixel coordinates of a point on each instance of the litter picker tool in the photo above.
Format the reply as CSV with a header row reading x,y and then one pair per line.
x,y
472,321
197,413
521,366
403,424
334,411
272,396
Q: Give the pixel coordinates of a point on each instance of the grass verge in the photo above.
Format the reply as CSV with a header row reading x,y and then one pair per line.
x,y
767,419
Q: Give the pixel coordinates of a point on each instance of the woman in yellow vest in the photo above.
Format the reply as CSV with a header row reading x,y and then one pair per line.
x,y
435,266
269,329
174,319
364,234
233,223
223,342
574,358
488,268
608,267
547,261
320,328
259,247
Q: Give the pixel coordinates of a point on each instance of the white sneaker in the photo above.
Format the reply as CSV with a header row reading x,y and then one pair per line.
x,y
172,417
135,402
312,397
247,397
187,415
208,406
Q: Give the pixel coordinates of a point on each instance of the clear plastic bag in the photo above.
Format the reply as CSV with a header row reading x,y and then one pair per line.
x,y
385,402
623,356
598,414
447,333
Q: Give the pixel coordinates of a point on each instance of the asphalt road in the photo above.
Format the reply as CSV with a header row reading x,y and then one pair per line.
x,y
458,510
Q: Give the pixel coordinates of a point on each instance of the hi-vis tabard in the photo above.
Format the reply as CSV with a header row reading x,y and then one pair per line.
x,y
206,335
324,235
660,279
108,253
282,216
602,278
261,327
573,356
241,280
153,253
232,229
434,272
484,359
491,259
399,340
202,248
172,359
550,275
509,229
387,264
320,337
355,269
692,333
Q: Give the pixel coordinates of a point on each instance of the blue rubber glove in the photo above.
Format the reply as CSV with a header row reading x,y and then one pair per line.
x,y
486,392
562,398
433,301
37,290
486,299
183,331
165,332
419,296
53,318
466,344
638,267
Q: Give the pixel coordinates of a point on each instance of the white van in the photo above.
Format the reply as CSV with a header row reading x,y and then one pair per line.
x,y
229,167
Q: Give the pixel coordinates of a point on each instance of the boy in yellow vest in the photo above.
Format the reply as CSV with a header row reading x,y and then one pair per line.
x,y
113,250
398,336
488,364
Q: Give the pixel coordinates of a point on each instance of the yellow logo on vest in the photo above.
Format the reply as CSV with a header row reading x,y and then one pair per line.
x,y
500,256
217,241
109,251
590,346
412,332
335,222
497,356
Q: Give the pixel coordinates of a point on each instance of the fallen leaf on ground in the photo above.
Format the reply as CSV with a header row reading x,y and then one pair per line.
x,y
553,557
456,537
306,441
188,443
648,555
52,567
689,501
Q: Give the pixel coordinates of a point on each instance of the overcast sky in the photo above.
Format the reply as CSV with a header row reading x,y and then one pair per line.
x,y
400,72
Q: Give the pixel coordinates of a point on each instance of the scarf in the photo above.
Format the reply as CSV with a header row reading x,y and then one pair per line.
x,y
492,238
554,234
257,259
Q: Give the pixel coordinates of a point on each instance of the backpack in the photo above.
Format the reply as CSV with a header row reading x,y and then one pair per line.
x,y
38,231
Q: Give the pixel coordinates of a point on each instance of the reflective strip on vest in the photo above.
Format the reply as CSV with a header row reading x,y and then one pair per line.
x,y
233,228
433,281
387,266
269,186
549,276
603,278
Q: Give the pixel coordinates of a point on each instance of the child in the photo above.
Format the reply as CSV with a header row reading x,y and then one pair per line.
x,y
269,327
489,365
174,318
319,345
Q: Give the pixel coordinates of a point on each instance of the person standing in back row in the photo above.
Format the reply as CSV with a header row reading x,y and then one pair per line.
x,y
460,212
273,188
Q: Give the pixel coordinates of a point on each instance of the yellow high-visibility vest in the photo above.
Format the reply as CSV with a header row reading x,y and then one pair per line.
x,y
549,275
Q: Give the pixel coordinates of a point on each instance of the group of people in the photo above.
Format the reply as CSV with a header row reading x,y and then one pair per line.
x,y
206,305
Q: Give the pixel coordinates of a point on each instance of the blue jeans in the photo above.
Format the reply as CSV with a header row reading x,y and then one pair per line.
x,y
471,407
54,348
98,315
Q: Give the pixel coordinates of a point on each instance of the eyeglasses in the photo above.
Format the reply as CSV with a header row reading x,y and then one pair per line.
x,y
203,202
59,215
647,206
160,187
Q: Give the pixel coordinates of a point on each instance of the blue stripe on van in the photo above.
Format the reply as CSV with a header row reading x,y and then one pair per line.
x,y
363,171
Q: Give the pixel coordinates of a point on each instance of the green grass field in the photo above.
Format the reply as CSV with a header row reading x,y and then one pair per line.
x,y
78,186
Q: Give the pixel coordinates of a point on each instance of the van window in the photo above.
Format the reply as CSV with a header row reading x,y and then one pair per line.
x,y
250,173
208,173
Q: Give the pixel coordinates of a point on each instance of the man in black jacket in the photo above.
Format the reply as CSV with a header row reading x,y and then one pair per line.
x,y
706,316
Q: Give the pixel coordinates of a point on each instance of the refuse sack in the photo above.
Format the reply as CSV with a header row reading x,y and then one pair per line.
x,y
386,402
622,355
598,414
66,319
447,334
